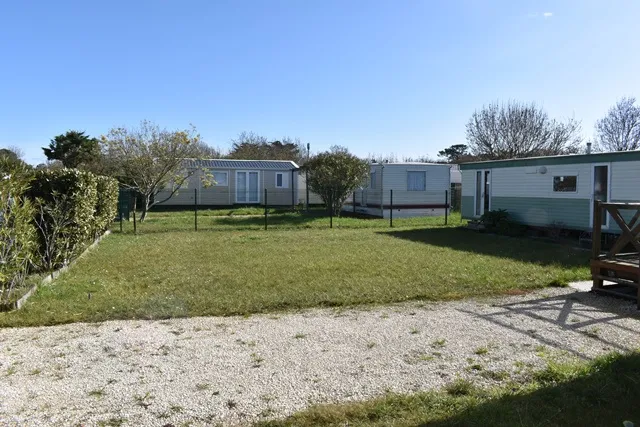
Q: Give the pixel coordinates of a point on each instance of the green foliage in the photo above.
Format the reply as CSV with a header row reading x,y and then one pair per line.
x,y
454,153
334,175
107,203
73,149
18,240
248,145
67,200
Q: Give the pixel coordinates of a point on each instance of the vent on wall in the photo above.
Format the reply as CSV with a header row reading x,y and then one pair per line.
x,y
542,170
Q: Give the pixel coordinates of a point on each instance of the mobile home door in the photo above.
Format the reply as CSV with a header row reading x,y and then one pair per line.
x,y
482,197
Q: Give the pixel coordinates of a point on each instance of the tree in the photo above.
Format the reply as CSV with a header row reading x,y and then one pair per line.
x,y
454,153
619,130
248,145
73,149
515,130
11,158
149,159
334,175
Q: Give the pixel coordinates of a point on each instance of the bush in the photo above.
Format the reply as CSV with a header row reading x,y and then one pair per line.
x,y
499,221
107,204
66,200
18,239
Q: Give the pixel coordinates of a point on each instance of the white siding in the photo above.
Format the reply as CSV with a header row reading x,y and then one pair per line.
x,y
468,182
625,180
395,178
521,182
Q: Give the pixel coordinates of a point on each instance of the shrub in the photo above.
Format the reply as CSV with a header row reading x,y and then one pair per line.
x,y
107,204
493,219
66,201
18,240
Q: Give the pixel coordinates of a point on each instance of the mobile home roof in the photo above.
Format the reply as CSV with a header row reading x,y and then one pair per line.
x,y
617,156
242,164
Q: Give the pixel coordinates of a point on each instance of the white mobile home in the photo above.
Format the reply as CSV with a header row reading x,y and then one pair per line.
x,y
237,182
419,189
551,191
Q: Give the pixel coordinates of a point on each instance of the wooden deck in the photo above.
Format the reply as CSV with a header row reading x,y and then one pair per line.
x,y
621,268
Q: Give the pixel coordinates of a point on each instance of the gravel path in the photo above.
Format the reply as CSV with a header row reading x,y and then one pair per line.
x,y
237,370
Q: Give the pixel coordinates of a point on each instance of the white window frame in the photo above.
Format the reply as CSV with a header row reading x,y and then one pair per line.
x,y
425,179
592,184
217,184
248,202
284,182
553,178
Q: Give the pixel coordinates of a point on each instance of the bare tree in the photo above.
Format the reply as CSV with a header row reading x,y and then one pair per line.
x,y
513,130
149,159
619,130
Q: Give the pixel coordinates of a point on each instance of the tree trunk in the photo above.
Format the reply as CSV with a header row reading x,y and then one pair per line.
x,y
145,207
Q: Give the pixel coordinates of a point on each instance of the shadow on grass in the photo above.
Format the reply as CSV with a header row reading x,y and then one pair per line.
x,y
520,249
604,395
601,393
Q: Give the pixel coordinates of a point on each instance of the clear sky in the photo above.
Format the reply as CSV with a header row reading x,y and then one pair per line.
x,y
381,77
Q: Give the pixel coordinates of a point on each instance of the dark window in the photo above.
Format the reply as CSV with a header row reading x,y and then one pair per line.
x,y
565,184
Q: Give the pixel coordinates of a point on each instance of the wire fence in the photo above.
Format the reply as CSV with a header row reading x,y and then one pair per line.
x,y
198,210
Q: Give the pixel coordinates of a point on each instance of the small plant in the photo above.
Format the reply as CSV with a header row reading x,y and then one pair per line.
x,y
495,375
593,332
231,404
143,401
11,370
370,345
112,422
176,408
480,351
96,393
414,331
476,367
203,386
439,343
299,336
257,360
35,372
556,283
460,387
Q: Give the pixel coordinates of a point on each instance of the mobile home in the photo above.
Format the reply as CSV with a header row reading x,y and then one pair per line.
x,y
419,189
551,191
237,182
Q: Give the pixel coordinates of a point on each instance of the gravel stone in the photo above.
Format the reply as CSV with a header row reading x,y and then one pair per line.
x,y
238,370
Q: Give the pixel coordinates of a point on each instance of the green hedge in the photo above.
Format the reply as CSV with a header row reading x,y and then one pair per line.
x,y
107,204
18,239
66,200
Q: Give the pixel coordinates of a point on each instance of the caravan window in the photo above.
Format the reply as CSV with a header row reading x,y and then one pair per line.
x,y
221,178
281,180
565,184
416,181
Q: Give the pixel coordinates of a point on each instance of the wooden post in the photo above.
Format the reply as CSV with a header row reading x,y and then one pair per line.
x,y
391,208
195,203
446,207
596,241
266,208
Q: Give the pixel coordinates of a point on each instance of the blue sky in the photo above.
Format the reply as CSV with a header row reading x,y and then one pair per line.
x,y
388,76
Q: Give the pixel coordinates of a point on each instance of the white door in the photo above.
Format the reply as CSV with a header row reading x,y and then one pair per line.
x,y
482,197
600,189
247,188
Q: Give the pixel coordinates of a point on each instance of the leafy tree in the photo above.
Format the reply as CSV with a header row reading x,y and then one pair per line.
x,y
11,161
73,149
149,159
334,175
514,130
619,130
248,145
454,153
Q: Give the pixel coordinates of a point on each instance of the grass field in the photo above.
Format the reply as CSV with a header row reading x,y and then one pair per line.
x,y
601,393
238,271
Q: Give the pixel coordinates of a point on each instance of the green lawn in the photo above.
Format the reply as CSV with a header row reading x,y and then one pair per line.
x,y
172,274
602,393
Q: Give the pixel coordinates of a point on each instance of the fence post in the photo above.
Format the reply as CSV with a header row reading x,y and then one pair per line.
x,y
265,208
195,203
446,207
391,208
135,201
354,202
331,209
121,219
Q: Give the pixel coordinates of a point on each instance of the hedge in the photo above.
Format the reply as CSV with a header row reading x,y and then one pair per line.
x,y
107,204
66,200
18,239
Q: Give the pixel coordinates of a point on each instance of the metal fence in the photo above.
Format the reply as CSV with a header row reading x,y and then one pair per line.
x,y
194,209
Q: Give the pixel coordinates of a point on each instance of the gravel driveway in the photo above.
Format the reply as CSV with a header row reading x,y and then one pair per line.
x,y
236,370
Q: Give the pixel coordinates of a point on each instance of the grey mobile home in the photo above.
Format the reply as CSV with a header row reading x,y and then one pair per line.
x,y
238,182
